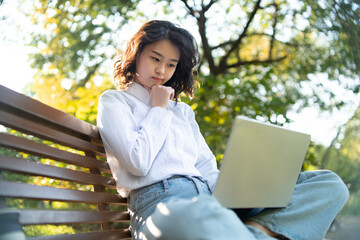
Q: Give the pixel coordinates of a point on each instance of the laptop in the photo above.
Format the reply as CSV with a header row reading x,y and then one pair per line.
x,y
261,165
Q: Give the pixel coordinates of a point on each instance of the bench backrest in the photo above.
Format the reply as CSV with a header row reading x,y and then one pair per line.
x,y
53,170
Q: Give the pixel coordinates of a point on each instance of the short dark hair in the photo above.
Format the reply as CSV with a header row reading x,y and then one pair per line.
x,y
152,31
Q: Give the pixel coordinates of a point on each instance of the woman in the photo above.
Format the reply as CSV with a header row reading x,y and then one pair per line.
x,y
156,151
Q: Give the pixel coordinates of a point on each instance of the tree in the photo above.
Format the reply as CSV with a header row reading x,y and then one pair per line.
x,y
81,37
338,20
256,54
343,155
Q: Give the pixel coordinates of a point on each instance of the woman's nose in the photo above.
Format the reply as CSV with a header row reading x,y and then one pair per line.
x,y
160,69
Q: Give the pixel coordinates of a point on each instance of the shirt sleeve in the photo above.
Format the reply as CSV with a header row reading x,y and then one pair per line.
x,y
206,162
135,143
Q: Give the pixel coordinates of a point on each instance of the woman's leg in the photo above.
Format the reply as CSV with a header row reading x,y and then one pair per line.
x,y
317,199
142,202
199,218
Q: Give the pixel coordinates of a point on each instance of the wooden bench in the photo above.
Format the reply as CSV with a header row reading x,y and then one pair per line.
x,y
54,172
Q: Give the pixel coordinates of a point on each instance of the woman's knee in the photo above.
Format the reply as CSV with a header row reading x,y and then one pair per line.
x,y
340,187
331,182
200,218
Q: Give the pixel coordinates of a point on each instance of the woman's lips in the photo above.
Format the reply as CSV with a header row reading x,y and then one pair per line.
x,y
157,79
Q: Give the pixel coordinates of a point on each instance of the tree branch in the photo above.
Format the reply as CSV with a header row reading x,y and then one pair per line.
x,y
230,42
224,44
190,9
326,156
223,61
201,21
275,21
207,7
256,62
268,35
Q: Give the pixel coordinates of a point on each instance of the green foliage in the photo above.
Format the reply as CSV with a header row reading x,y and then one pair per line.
x,y
250,93
79,36
256,58
338,21
42,230
344,157
313,157
352,207
81,102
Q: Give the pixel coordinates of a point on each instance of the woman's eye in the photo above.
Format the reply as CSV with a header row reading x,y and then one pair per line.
x,y
156,59
172,65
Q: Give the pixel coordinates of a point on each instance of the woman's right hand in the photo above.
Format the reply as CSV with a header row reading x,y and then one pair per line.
x,y
160,96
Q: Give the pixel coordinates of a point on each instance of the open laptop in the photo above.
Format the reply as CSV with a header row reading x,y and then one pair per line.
x,y
261,165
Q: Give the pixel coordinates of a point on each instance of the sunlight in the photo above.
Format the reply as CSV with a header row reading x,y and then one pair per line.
x,y
155,231
66,83
2,128
163,209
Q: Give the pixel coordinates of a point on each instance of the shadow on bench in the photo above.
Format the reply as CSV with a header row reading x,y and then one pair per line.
x,y
53,171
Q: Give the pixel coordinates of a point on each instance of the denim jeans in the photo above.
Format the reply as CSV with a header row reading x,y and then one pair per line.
x,y
181,208
142,201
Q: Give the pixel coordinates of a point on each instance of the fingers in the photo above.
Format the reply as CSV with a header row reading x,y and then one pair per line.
x,y
172,94
160,96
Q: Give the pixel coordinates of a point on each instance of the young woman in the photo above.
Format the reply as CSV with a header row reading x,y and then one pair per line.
x,y
157,154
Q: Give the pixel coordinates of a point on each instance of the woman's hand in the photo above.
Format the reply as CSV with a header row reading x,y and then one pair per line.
x,y
160,95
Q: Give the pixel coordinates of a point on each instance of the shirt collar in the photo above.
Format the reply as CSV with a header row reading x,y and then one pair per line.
x,y
139,92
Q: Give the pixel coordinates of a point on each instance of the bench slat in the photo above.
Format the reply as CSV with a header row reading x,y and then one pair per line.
x,y
104,235
35,109
22,190
37,169
28,146
49,125
31,217
33,128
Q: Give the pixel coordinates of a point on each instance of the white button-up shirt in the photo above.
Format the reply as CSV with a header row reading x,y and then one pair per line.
x,y
145,145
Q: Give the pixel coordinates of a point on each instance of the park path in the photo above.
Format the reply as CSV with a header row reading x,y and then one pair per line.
x,y
349,229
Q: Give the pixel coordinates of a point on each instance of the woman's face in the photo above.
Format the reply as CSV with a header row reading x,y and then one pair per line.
x,y
157,63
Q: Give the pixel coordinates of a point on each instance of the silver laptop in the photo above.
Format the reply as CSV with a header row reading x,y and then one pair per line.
x,y
261,165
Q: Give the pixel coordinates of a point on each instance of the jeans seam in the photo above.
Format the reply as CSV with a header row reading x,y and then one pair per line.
x,y
158,200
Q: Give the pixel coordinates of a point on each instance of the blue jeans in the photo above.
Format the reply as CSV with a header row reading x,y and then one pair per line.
x,y
182,208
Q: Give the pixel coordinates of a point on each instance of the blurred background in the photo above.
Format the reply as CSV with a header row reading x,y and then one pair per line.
x,y
289,62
